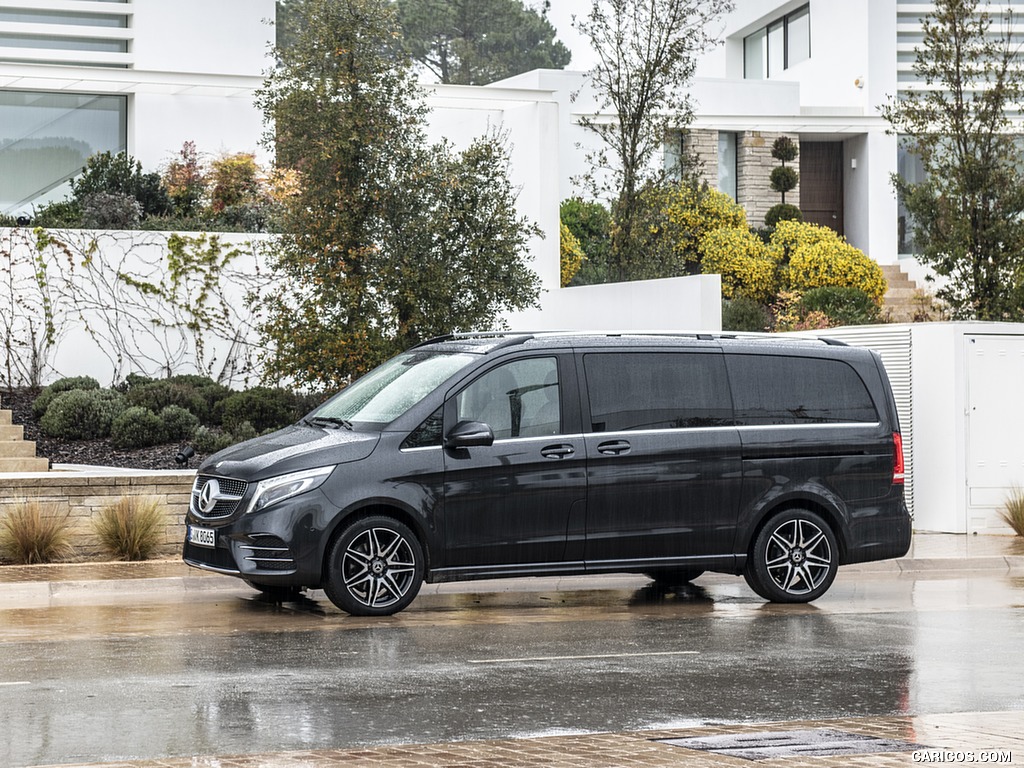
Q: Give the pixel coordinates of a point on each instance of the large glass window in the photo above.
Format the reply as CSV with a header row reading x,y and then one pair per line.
x,y
653,390
727,163
778,46
911,170
771,390
45,139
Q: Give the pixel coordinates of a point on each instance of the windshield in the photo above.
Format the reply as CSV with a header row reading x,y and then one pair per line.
x,y
388,391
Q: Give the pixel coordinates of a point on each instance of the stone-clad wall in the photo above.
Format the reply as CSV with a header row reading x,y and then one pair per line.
x,y
84,494
754,164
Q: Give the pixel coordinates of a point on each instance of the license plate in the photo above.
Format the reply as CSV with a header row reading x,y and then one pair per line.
x,y
202,537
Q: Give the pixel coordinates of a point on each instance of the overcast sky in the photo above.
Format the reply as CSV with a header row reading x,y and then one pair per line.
x,y
560,16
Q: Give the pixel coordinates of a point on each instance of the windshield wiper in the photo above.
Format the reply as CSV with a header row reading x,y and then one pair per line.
x,y
320,421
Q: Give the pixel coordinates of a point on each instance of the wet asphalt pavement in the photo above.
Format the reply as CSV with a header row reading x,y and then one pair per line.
x,y
222,672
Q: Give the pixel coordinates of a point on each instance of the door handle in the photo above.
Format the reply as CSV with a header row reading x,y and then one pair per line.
x,y
614,447
557,451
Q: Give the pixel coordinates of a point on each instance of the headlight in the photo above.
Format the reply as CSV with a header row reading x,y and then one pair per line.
x,y
275,489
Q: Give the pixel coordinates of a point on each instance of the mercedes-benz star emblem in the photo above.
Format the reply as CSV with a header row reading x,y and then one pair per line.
x,y
209,497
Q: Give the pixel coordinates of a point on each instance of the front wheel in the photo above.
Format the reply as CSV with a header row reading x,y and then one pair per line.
x,y
794,558
374,568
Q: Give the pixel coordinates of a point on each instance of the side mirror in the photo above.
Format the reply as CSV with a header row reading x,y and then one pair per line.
x,y
467,434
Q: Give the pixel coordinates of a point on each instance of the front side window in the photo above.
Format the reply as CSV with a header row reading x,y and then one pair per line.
x,y
517,399
656,390
770,390
388,391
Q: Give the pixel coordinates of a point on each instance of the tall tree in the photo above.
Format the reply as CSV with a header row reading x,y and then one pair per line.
x,y
968,214
475,42
647,51
347,117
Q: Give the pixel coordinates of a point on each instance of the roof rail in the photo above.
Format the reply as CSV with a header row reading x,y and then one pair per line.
x,y
512,338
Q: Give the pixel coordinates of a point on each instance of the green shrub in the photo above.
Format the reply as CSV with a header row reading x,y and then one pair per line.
x,y
6,220
695,214
813,256
41,403
590,223
61,214
842,305
742,261
179,424
82,414
121,174
35,533
782,212
137,427
744,314
264,408
157,395
132,527
572,256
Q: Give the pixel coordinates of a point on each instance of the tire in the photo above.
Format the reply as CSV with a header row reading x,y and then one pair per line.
x,y
794,558
276,592
674,577
374,568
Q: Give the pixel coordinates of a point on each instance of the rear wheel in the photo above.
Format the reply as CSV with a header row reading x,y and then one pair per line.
x,y
673,577
794,558
374,568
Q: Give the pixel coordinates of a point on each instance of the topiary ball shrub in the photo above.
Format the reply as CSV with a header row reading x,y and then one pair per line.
x,y
179,423
264,408
842,305
41,403
82,414
781,212
137,427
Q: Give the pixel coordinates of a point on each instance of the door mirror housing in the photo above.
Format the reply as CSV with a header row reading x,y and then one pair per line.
x,y
469,434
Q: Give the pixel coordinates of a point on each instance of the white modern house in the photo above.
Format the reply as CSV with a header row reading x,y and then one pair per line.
x,y
79,77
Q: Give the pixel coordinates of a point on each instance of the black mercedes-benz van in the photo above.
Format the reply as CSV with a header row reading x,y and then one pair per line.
x,y
491,455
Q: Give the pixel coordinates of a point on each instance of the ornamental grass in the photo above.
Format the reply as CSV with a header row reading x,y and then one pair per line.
x,y
132,527
34,532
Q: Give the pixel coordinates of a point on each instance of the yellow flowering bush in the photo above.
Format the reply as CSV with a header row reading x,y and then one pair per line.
x,y
572,255
818,257
693,213
742,260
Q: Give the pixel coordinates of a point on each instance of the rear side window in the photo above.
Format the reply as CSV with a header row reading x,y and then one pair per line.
x,y
656,390
797,390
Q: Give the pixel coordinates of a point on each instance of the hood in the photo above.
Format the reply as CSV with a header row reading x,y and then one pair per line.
x,y
291,449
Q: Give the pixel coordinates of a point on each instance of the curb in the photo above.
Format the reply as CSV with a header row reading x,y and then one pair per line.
x,y
42,593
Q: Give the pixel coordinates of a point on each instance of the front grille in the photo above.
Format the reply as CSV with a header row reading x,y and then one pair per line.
x,y
229,494
215,558
268,553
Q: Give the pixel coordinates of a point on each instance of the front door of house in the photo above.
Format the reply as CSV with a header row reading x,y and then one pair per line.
x,y
821,183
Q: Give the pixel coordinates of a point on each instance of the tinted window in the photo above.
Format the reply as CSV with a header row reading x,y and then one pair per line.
x,y
797,390
656,390
518,399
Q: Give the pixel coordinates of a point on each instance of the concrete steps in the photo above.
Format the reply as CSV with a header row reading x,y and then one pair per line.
x,y
16,453
904,301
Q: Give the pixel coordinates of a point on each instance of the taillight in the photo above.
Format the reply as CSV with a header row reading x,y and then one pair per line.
x,y
898,473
